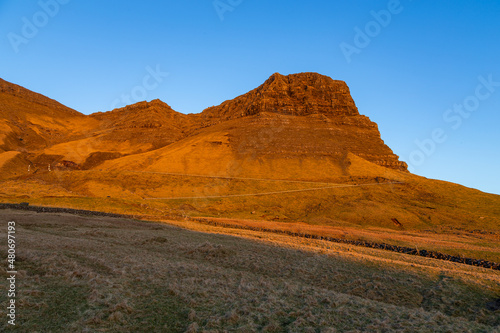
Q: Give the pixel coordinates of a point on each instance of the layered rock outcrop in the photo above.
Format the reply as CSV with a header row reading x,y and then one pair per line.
x,y
302,114
296,95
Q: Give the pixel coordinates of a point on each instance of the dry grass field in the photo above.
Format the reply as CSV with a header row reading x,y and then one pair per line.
x,y
89,274
433,215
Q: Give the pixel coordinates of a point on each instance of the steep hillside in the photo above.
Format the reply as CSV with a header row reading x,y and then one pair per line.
x,y
301,125
134,129
293,126
36,131
154,123
30,121
269,145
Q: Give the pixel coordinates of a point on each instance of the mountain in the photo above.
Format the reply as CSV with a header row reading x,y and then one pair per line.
x,y
31,122
296,95
36,131
261,155
297,126
309,114
133,129
287,122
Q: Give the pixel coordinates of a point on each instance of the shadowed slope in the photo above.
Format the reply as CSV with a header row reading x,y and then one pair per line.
x,y
118,275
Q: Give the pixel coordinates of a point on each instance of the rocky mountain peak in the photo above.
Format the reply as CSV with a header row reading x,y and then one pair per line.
x,y
296,94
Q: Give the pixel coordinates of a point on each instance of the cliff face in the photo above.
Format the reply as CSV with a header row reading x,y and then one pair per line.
x,y
297,95
303,114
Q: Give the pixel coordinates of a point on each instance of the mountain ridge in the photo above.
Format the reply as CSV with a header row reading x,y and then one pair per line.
x,y
305,99
34,97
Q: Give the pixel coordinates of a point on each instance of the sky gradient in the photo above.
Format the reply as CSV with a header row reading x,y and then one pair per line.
x,y
427,72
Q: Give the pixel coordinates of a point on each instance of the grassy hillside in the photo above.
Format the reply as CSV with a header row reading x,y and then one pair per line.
x,y
103,274
430,214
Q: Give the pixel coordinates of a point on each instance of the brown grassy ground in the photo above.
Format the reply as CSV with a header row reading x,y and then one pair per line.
x,y
106,275
434,215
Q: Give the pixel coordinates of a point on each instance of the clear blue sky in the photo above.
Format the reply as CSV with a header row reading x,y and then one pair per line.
x,y
405,70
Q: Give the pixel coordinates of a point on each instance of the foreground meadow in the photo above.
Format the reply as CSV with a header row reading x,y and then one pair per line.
x,y
413,212
89,274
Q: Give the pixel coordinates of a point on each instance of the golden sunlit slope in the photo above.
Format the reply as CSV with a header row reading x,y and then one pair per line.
x,y
292,122
12,164
30,121
301,126
46,132
364,194
269,145
152,123
134,129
